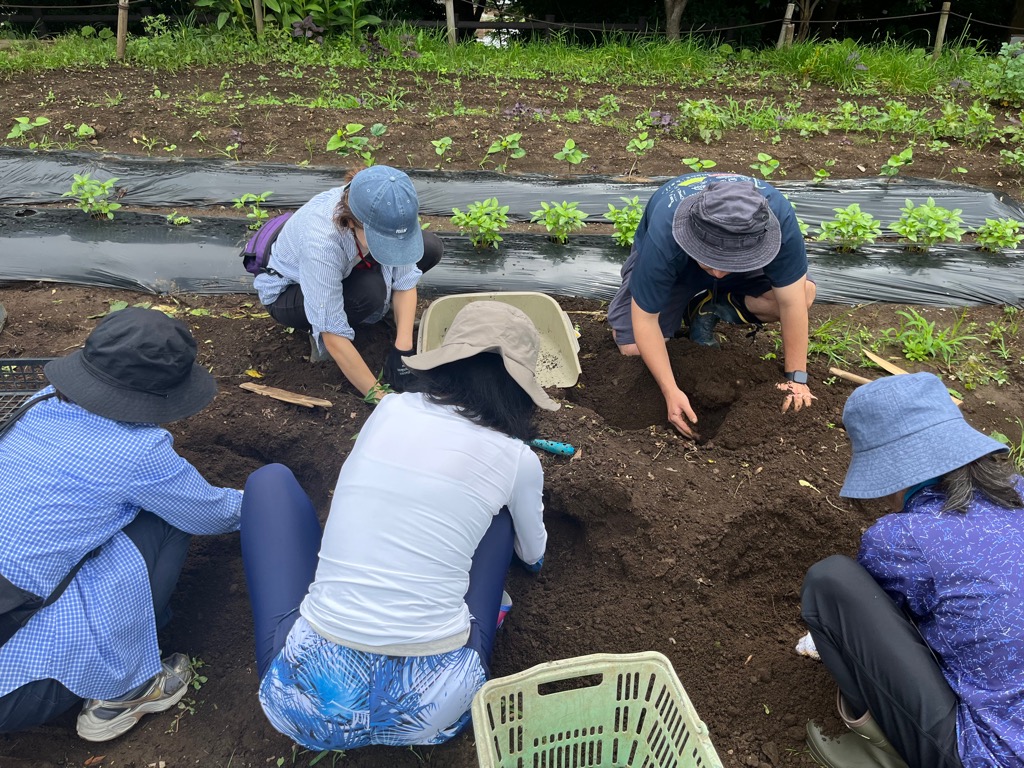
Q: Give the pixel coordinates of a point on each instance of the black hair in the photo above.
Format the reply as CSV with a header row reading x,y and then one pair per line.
x,y
992,476
480,389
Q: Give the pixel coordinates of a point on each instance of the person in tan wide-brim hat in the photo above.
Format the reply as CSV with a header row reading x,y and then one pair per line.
x,y
438,492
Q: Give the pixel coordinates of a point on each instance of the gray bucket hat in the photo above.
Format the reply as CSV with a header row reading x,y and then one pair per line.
x,y
728,226
138,365
492,326
904,430
385,202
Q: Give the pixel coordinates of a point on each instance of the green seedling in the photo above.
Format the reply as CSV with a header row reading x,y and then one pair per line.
x,y
23,125
1016,454
766,165
560,219
638,146
441,147
570,153
922,226
821,174
348,141
697,165
177,219
892,166
850,229
508,147
920,340
996,234
254,204
83,131
625,219
93,195
482,221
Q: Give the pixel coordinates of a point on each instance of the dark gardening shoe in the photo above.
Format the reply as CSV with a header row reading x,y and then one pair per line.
x,y
104,720
705,310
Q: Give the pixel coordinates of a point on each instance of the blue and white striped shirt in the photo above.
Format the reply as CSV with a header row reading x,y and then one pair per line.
x,y
313,252
69,482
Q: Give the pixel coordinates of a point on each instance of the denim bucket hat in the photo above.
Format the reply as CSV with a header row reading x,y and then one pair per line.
x,y
728,226
139,366
384,200
496,327
904,430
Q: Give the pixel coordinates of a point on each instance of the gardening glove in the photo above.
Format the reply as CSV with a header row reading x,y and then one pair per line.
x,y
532,567
396,373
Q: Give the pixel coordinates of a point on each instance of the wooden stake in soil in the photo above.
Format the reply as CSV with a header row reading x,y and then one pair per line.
x,y
257,16
285,396
941,34
449,15
786,33
122,28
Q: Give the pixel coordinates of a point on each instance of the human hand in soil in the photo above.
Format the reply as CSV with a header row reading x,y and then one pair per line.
x,y
396,373
680,414
797,395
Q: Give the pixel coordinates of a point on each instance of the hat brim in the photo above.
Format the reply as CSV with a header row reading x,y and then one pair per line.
x,y
72,378
912,459
721,258
450,353
394,251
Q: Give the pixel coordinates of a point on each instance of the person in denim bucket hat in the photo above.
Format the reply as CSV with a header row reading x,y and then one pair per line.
x,y
713,247
342,260
94,497
924,632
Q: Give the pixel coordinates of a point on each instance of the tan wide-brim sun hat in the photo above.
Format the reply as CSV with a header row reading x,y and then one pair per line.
x,y
496,327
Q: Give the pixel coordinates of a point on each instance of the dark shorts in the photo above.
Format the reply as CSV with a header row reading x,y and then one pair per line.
x,y
620,311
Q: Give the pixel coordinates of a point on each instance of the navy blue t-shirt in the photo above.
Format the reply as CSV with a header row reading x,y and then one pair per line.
x,y
661,262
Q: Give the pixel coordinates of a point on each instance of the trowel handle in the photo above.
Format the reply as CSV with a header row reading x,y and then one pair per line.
x,y
560,449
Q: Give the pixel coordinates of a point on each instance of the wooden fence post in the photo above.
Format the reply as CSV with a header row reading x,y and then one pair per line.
x,y
449,14
941,34
786,33
122,28
257,16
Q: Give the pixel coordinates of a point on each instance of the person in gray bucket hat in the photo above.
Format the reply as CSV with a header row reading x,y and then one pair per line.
x,y
98,510
714,247
924,632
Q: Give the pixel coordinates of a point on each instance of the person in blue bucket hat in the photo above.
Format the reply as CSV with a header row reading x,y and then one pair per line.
x,y
924,632
342,260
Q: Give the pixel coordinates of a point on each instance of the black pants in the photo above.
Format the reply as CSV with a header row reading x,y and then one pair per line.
x,y
364,291
164,548
881,663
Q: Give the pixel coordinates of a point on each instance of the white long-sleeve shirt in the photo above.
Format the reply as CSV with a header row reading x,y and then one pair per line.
x,y
413,501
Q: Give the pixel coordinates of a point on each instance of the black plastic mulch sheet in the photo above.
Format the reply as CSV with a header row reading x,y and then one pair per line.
x,y
34,178
143,252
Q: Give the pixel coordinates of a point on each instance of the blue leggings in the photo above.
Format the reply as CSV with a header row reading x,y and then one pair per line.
x,y
280,537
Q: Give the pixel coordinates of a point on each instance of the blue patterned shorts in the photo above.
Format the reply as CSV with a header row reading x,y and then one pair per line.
x,y
326,696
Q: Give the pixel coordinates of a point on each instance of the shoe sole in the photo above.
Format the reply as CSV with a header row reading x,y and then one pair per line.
x,y
105,730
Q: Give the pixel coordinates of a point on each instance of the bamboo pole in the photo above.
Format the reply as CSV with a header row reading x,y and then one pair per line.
x,y
449,14
122,28
940,36
257,16
786,33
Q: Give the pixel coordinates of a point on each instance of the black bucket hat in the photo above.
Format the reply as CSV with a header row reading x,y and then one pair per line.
x,y
138,365
728,226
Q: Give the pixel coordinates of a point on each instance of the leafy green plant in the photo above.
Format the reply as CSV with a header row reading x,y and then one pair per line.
x,y
892,166
638,146
850,229
482,221
697,165
838,341
441,148
570,153
23,125
919,339
1003,81
348,141
254,204
1016,454
927,224
766,165
1013,159
83,131
820,174
625,219
560,219
150,143
996,234
508,147
178,219
93,195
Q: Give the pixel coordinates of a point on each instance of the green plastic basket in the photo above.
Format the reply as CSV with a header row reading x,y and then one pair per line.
x,y
20,378
598,711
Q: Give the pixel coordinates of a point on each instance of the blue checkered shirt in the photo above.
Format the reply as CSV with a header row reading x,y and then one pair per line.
x,y
69,482
314,253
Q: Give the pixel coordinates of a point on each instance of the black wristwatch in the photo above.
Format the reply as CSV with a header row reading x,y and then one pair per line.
x,y
797,377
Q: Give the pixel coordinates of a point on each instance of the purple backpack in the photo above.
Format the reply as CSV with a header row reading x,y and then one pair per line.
x,y
256,254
